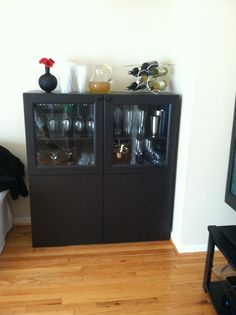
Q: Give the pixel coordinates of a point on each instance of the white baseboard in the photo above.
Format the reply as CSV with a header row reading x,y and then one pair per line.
x,y
191,248
187,248
22,220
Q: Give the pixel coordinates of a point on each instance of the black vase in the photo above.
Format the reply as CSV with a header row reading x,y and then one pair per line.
x,y
47,81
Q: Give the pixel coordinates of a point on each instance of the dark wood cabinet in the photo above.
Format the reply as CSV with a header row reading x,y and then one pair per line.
x,y
101,167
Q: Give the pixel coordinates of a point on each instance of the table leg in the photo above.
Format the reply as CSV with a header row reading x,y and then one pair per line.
x,y
208,263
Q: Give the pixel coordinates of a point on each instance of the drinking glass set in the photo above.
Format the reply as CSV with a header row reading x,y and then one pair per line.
x,y
72,120
65,125
141,130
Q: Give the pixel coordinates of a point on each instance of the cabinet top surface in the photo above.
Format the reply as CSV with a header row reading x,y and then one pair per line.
x,y
39,92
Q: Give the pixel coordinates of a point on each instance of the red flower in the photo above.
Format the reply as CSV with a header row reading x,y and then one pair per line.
x,y
47,62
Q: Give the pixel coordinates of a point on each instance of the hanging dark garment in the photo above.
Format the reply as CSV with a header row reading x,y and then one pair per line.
x,y
11,174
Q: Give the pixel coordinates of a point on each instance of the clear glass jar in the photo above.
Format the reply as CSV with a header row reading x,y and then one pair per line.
x,y
100,81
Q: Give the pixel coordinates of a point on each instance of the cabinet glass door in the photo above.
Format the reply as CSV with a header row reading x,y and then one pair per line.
x,y
64,134
140,135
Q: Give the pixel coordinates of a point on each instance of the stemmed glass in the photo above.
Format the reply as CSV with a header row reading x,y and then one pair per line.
x,y
79,124
67,127
66,123
52,120
90,125
53,124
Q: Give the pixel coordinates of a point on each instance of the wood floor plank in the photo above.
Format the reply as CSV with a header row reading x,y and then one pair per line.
x,y
146,278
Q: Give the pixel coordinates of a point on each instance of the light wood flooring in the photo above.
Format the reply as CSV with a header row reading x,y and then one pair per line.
x,y
137,278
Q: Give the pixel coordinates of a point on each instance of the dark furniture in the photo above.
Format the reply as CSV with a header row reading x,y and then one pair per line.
x,y
222,293
101,167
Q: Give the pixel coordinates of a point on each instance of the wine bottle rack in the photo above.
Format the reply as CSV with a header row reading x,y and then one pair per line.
x,y
149,76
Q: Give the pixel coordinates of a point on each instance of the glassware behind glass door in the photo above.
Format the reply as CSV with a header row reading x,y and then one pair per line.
x,y
140,134
64,134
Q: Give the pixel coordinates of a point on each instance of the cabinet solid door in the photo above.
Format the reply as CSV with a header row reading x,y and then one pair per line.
x,y
66,209
138,207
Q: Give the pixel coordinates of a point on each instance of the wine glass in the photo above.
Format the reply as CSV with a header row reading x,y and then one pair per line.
x,y
90,124
139,146
128,121
118,121
141,118
52,124
52,119
66,123
79,124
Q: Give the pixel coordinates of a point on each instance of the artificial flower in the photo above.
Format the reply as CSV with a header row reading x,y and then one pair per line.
x,y
48,62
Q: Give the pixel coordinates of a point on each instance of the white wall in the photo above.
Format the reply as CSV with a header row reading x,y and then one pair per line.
x,y
206,77
87,32
197,35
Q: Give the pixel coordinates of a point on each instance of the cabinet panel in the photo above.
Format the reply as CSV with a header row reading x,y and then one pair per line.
x,y
66,210
138,207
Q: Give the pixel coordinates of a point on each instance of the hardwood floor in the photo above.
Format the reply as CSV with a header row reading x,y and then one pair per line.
x,y
136,278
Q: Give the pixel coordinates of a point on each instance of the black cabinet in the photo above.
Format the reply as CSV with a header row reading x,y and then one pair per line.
x,y
222,292
101,167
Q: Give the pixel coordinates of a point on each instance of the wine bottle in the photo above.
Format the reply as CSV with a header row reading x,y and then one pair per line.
x,y
134,71
153,85
136,86
142,78
154,72
160,70
149,65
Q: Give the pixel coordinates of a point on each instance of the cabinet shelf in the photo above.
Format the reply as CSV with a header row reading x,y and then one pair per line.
x,y
65,138
221,293
129,137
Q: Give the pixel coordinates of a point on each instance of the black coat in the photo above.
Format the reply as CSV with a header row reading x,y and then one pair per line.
x,y
11,174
